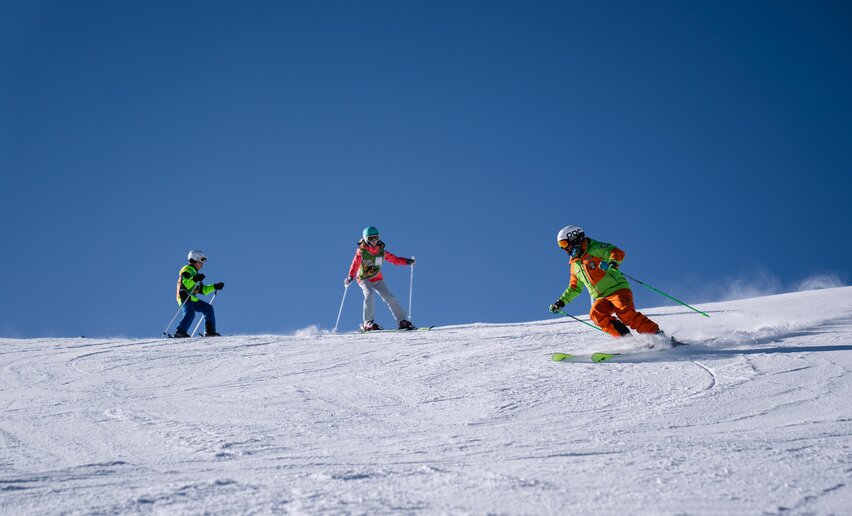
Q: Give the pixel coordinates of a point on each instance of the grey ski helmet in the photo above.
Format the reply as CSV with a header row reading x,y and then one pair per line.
x,y
196,256
569,236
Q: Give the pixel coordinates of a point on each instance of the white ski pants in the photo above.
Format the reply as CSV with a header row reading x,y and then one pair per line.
x,y
370,289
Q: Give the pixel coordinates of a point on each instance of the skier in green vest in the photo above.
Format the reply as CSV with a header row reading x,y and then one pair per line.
x,y
367,267
189,285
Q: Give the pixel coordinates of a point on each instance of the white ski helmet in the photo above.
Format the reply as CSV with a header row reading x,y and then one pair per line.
x,y
571,234
196,256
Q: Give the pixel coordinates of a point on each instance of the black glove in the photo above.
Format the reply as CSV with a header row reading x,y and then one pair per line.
x,y
409,261
219,286
347,281
558,305
198,278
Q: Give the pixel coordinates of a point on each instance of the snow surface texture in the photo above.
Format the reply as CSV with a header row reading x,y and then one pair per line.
x,y
753,417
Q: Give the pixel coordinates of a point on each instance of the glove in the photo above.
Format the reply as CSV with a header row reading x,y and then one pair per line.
x,y
198,278
409,261
558,305
608,265
219,286
347,281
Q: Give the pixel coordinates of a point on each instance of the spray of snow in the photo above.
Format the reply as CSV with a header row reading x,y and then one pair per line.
x,y
756,283
759,282
818,282
311,331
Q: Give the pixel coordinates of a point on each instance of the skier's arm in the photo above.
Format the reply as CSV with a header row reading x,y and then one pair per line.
x,y
616,256
190,280
610,253
574,289
394,259
356,264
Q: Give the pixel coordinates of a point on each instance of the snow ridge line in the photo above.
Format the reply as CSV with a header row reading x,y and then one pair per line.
x,y
712,378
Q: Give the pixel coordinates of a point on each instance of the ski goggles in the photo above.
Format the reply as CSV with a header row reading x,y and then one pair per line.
x,y
564,244
373,238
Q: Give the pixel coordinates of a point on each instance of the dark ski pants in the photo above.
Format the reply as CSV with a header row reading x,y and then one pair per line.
x,y
189,309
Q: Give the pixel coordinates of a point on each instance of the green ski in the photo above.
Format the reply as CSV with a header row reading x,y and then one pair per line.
x,y
594,357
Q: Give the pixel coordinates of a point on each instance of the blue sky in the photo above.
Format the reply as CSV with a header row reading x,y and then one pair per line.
x,y
709,140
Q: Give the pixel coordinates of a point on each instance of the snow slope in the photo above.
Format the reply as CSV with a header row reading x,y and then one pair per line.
x,y
753,417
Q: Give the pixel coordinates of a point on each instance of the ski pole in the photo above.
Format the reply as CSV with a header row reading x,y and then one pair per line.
x,y
345,288
166,331
663,293
202,315
579,320
410,289
180,307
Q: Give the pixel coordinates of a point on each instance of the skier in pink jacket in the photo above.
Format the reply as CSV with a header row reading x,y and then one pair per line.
x,y
367,267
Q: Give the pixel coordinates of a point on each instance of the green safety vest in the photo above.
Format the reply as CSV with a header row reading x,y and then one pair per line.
x,y
371,264
186,283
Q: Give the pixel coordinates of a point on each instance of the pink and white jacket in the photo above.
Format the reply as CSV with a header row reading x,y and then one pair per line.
x,y
368,261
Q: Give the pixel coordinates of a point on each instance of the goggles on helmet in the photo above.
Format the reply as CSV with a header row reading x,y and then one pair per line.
x,y
564,244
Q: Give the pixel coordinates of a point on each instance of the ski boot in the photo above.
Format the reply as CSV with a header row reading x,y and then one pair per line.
x,y
180,334
210,331
370,326
406,325
620,327
671,340
675,342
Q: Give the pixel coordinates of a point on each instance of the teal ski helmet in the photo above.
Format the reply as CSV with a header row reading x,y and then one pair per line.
x,y
370,231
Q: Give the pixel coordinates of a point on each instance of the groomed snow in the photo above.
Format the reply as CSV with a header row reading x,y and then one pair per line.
x,y
754,417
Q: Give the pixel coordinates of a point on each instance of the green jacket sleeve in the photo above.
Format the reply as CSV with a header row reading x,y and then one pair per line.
x,y
570,293
187,278
575,288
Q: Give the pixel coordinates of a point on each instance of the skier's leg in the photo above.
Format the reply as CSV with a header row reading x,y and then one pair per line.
x,y
188,316
369,300
386,295
623,303
209,316
601,314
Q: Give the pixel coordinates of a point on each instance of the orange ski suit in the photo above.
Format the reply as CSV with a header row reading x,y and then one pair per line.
x,y
620,303
610,292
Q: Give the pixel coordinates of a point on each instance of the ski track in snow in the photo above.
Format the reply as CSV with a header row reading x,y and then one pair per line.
x,y
752,417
